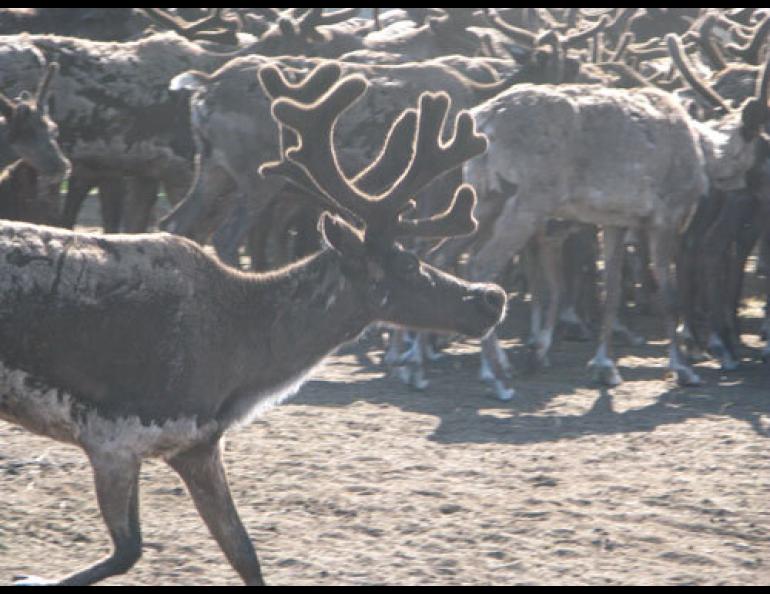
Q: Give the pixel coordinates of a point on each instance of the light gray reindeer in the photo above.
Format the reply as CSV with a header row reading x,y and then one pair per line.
x,y
611,157
29,187
145,346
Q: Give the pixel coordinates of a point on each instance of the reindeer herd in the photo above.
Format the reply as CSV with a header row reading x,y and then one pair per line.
x,y
350,160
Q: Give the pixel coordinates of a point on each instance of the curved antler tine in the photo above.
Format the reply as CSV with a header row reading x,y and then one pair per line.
x,y
596,48
705,37
164,19
750,52
456,221
325,111
572,17
318,160
755,112
339,16
298,176
763,85
432,159
676,51
379,176
310,20
630,77
625,40
213,27
571,40
620,23
516,34
43,89
213,18
320,80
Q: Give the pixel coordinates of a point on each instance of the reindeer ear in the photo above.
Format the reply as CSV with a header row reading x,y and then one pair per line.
x,y
754,116
341,236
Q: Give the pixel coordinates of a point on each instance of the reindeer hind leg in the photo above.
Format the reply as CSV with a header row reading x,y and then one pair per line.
x,y
116,477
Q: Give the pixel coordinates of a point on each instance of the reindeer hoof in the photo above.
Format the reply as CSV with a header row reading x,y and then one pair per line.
x,y
728,364
574,332
687,378
606,375
537,360
697,355
625,335
504,394
413,378
31,580
766,356
418,382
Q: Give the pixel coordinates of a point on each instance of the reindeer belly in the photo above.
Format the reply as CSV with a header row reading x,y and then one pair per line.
x,y
43,409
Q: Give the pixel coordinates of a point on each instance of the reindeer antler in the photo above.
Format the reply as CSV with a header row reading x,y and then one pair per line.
x,y
308,20
677,53
705,31
755,111
530,39
213,27
583,35
750,51
43,89
315,164
7,106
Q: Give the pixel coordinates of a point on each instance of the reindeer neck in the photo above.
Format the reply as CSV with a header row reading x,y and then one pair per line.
x,y
305,311
729,156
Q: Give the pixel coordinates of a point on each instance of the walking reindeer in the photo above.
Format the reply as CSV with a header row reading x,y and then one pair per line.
x,y
145,346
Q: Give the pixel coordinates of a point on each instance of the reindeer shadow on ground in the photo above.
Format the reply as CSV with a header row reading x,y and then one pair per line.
x,y
468,413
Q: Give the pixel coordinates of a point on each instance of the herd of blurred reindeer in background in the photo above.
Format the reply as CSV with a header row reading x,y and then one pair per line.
x,y
526,146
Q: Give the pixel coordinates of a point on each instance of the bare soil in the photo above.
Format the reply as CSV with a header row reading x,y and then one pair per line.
x,y
359,480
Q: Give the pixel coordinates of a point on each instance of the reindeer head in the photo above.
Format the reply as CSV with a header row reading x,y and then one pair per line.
x,y
733,148
397,287
31,132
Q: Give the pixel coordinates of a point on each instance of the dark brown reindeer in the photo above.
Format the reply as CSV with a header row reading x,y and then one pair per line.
x,y
29,187
726,227
145,346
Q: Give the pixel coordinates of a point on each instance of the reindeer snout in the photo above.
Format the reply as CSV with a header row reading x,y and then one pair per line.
x,y
492,300
55,170
495,299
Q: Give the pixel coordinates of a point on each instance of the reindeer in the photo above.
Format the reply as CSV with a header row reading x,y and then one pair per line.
x,y
145,346
29,187
227,133
727,225
103,24
612,157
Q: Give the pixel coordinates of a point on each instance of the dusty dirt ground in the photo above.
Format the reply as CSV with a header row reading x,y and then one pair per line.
x,y
359,480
